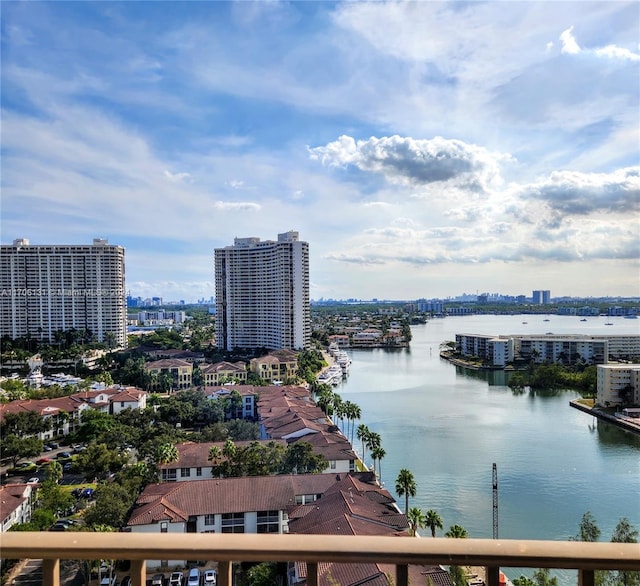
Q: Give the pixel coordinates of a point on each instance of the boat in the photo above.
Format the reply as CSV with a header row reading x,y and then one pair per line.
x,y
608,323
583,319
545,319
524,322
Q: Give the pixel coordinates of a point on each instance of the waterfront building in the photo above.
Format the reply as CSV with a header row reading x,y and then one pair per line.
x,y
262,294
539,297
161,317
618,384
549,348
497,350
53,288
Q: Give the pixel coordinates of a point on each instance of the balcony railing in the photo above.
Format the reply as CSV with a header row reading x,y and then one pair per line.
x,y
314,549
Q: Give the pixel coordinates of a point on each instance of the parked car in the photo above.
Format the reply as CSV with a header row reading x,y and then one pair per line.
x,y
87,493
194,577
43,461
63,455
67,467
53,445
176,579
67,522
47,448
157,580
210,577
22,467
58,527
34,480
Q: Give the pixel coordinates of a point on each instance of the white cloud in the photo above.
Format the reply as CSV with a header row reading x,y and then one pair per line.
x,y
613,52
410,161
235,206
569,43
177,177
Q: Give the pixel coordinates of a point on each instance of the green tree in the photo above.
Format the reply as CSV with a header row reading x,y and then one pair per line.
x,y
406,486
111,507
98,461
377,454
456,532
54,472
416,520
25,423
300,459
362,434
542,577
624,532
16,448
588,530
433,521
264,574
167,453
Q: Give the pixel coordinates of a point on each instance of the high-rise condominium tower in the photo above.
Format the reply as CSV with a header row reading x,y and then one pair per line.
x,y
54,288
262,294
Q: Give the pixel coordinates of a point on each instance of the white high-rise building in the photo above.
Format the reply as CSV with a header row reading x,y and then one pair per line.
x,y
262,294
54,288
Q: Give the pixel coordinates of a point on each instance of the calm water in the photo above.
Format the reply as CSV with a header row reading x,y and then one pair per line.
x,y
449,425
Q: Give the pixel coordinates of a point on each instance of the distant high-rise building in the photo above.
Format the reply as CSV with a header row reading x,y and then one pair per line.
x,y
54,288
262,294
541,297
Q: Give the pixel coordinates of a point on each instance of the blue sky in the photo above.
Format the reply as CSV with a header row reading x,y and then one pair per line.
x,y
423,149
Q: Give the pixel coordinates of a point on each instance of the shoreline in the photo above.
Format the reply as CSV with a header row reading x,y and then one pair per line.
x,y
621,423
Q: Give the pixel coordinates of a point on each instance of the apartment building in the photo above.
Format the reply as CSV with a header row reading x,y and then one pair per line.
x,y
179,373
618,384
262,294
46,289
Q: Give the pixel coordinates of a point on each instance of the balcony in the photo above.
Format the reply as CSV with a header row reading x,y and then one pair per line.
x,y
315,549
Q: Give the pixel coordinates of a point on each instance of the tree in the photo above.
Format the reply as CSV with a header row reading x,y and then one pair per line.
x,y
456,532
54,472
433,521
98,461
16,448
377,454
624,532
300,459
416,520
111,507
25,423
542,577
406,486
167,453
588,531
362,434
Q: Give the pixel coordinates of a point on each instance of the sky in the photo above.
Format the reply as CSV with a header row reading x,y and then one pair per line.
x,y
423,149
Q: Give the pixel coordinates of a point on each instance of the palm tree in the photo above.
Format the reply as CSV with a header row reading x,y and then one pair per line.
x,y
363,432
378,453
416,520
355,413
433,521
406,486
167,453
456,531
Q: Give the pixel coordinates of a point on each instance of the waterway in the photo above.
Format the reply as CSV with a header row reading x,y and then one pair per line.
x,y
448,425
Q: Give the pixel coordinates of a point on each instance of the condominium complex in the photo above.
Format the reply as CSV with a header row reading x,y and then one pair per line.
x,y
539,297
262,294
47,289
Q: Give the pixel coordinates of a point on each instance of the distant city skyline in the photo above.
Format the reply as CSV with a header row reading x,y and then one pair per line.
x,y
420,148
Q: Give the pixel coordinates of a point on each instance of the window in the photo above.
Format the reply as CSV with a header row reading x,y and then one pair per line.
x,y
209,519
332,464
185,472
198,471
233,523
169,475
268,522
164,527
